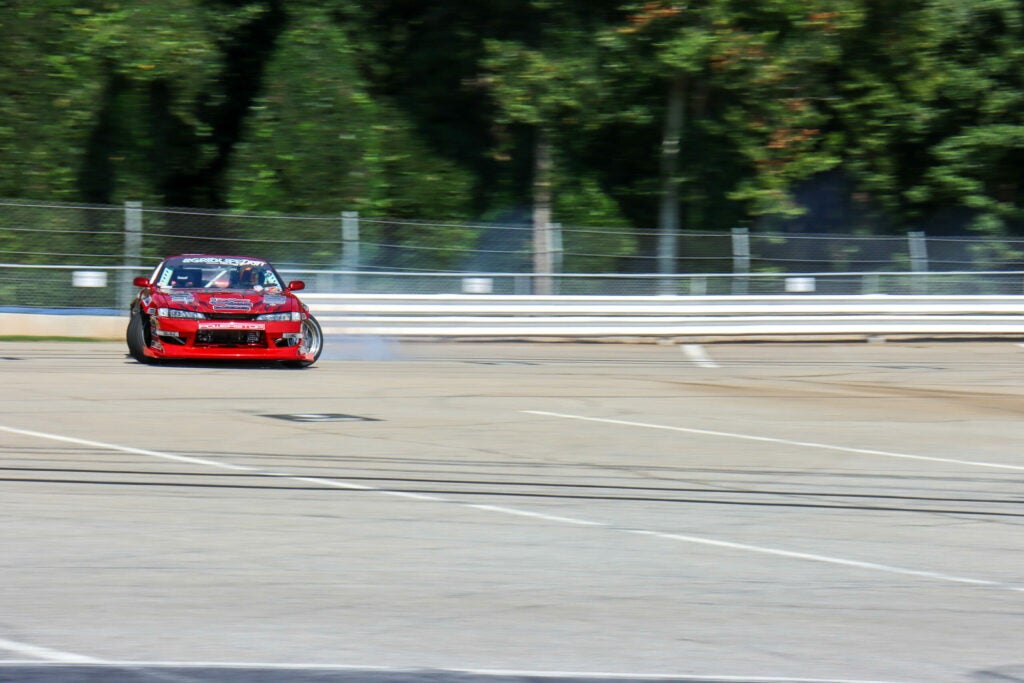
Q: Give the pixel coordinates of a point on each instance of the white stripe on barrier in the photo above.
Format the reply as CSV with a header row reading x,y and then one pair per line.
x,y
588,317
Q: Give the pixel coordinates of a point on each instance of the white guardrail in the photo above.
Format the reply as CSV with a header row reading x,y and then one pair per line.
x,y
625,317
506,316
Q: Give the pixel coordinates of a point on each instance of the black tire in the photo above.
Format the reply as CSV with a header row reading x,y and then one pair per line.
x,y
138,338
312,339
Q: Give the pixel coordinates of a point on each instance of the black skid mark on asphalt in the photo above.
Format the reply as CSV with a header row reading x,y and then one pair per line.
x,y
499,362
322,417
744,498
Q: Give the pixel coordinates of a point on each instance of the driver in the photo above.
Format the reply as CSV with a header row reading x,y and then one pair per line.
x,y
248,278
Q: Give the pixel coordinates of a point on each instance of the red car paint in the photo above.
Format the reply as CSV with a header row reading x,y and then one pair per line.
x,y
205,306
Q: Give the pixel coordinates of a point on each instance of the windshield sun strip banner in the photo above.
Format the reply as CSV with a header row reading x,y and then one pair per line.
x,y
223,261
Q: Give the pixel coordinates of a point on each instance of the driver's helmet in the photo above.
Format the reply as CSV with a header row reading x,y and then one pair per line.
x,y
248,276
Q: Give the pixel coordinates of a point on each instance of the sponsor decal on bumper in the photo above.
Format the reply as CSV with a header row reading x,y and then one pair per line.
x,y
230,325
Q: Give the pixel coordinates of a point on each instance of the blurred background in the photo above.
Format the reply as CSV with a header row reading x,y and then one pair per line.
x,y
747,138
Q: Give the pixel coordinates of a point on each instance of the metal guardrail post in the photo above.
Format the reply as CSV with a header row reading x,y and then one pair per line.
x,y
740,259
556,254
350,250
132,252
918,247
542,259
871,283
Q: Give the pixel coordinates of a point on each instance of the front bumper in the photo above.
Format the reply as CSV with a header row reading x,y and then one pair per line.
x,y
175,338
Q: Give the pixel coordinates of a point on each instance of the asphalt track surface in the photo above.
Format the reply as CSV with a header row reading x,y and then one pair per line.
x,y
473,512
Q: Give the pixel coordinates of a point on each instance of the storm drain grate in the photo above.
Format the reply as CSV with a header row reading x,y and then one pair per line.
x,y
323,417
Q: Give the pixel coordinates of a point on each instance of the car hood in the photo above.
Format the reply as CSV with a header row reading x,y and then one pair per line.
x,y
228,301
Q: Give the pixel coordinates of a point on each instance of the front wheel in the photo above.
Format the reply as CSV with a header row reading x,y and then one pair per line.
x,y
312,343
137,337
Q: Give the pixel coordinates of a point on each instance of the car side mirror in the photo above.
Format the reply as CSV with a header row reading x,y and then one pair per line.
x,y
296,285
141,282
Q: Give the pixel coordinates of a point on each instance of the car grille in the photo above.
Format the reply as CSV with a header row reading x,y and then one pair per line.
x,y
231,316
230,338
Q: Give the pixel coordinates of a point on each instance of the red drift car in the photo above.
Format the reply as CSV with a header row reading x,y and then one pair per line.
x,y
198,306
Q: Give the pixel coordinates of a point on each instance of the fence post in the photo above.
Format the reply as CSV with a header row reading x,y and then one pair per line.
x,y
542,258
349,250
918,260
871,283
132,252
668,251
556,255
740,259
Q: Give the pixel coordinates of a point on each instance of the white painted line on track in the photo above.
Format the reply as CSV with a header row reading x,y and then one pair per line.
x,y
698,355
813,557
127,449
329,483
775,440
319,481
46,653
728,545
535,515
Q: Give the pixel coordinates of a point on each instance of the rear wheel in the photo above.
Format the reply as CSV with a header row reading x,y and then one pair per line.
x,y
312,343
138,338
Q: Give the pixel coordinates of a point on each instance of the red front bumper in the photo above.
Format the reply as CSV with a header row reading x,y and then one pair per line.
x,y
174,338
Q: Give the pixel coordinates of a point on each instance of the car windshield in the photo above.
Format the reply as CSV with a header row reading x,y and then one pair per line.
x,y
214,272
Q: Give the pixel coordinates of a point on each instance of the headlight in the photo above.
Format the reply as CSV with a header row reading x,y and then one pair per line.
x,y
179,313
293,316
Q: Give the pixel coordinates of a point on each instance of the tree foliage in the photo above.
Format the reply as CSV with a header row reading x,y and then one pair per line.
x,y
700,115
49,99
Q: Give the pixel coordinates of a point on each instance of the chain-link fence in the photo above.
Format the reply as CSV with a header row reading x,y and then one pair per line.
x,y
84,256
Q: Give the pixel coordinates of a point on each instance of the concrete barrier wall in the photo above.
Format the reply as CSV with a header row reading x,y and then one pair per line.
x,y
71,326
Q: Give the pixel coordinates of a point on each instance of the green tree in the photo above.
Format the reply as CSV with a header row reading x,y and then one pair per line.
x,y
50,94
931,111
131,99
548,84
977,105
323,143
743,84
